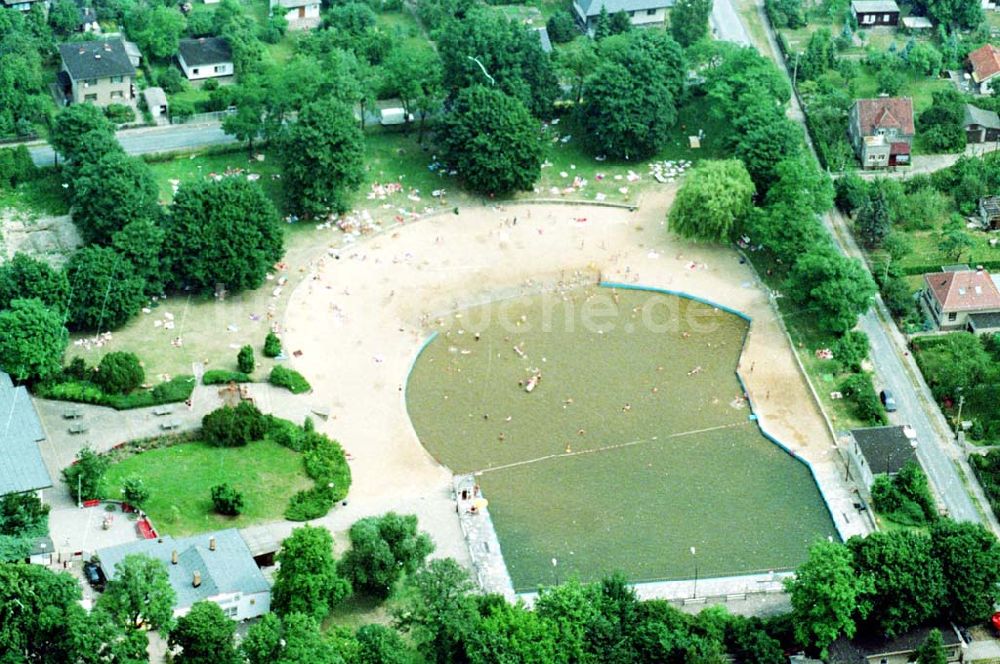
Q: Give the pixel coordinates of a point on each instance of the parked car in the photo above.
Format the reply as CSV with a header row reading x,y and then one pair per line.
x,y
888,401
94,575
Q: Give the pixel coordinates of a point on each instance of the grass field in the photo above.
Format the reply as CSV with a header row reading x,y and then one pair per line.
x,y
43,195
182,476
634,447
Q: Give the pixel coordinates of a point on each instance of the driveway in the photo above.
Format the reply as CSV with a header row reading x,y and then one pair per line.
x,y
726,24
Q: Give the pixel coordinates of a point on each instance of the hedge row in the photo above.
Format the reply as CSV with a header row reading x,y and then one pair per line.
x,y
290,379
178,388
936,267
221,377
326,464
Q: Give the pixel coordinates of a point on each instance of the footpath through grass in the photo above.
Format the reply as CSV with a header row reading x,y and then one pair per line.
x,y
180,479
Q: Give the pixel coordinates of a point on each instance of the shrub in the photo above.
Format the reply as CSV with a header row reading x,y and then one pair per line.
x,y
326,464
171,81
851,192
23,514
221,377
851,350
233,427
178,388
227,500
561,27
290,379
286,434
310,504
119,113
272,345
134,491
16,166
119,373
245,360
181,109
867,407
210,85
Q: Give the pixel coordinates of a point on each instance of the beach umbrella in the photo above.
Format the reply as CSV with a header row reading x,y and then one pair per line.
x,y
480,503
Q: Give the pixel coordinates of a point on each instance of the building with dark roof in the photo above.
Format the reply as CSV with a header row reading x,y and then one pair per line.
x,y
96,72
872,13
217,567
980,125
22,469
881,451
879,649
881,131
962,299
205,57
640,12
23,5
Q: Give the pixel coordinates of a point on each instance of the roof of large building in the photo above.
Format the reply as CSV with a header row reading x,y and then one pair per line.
x,y
980,116
874,6
968,290
593,7
985,62
886,449
228,569
859,649
88,60
885,113
21,465
205,51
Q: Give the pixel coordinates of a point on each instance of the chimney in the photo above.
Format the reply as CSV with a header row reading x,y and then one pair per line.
x,y
196,581
173,557
211,544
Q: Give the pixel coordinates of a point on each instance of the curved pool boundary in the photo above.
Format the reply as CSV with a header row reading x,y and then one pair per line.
x,y
753,415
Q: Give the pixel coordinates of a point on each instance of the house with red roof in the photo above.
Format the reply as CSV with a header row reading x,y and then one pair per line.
x,y
984,65
963,299
881,131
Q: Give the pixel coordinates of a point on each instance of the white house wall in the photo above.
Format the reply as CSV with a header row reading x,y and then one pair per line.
x,y
205,71
246,605
311,13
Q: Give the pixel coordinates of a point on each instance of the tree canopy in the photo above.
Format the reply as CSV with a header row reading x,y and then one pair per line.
x,y
689,21
383,549
32,340
308,580
492,141
24,277
833,288
713,201
110,192
106,289
140,593
222,232
205,636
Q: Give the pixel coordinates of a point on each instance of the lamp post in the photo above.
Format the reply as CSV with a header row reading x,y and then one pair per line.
x,y
694,591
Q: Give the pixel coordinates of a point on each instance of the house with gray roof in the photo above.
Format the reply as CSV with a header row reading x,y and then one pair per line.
x,y
24,5
640,12
981,126
96,72
22,469
205,57
217,567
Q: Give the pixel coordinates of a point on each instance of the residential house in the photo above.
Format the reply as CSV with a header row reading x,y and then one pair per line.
x,y
874,13
963,299
881,131
981,126
205,57
879,649
640,12
984,65
96,72
216,567
989,212
877,451
300,14
88,21
22,469
24,5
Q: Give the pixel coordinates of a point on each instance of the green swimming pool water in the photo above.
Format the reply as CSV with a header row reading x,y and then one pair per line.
x,y
634,445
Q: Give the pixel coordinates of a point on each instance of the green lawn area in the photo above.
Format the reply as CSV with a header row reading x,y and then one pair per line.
x,y
182,476
402,26
926,251
193,167
919,87
43,195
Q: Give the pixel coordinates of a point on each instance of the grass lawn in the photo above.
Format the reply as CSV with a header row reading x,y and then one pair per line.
x,y
926,251
919,87
182,476
43,195
194,167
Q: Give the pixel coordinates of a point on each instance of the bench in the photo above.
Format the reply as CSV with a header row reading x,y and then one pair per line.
x,y
79,427
162,410
173,424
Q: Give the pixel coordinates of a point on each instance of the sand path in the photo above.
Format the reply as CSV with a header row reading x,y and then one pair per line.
x,y
362,317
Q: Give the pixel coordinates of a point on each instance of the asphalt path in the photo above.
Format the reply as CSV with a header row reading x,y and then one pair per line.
x,y
152,140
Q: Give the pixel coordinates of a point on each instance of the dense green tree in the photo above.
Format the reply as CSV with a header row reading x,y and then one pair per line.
x,y
825,595
95,638
245,360
85,477
713,201
732,72
141,243
134,491
75,121
492,141
575,62
414,73
872,221
510,633
64,17
834,288
383,549
942,126
487,48
24,277
689,21
222,232
970,560
785,229
119,372
111,192
924,59
608,25
631,96
932,651
106,291
139,593
889,80
205,636
907,585
798,180
562,27
227,500
292,639
766,141
570,608
16,167
308,580
156,29
324,157
851,192
22,513
954,242
435,608
819,56
36,605
966,14
785,13
378,644
32,340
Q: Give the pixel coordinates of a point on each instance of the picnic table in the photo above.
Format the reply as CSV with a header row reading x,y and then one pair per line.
x,y
72,413
78,427
172,424
162,410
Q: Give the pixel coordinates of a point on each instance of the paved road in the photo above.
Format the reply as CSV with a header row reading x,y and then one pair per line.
x,y
726,24
151,140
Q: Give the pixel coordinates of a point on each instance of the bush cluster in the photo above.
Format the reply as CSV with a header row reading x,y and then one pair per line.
x,y
290,379
326,464
272,345
178,388
234,427
859,390
227,500
905,498
221,377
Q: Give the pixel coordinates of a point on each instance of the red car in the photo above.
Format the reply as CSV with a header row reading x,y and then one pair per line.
x,y
995,621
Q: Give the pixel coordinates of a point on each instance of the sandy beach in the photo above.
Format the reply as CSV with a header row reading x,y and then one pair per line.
x,y
356,324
